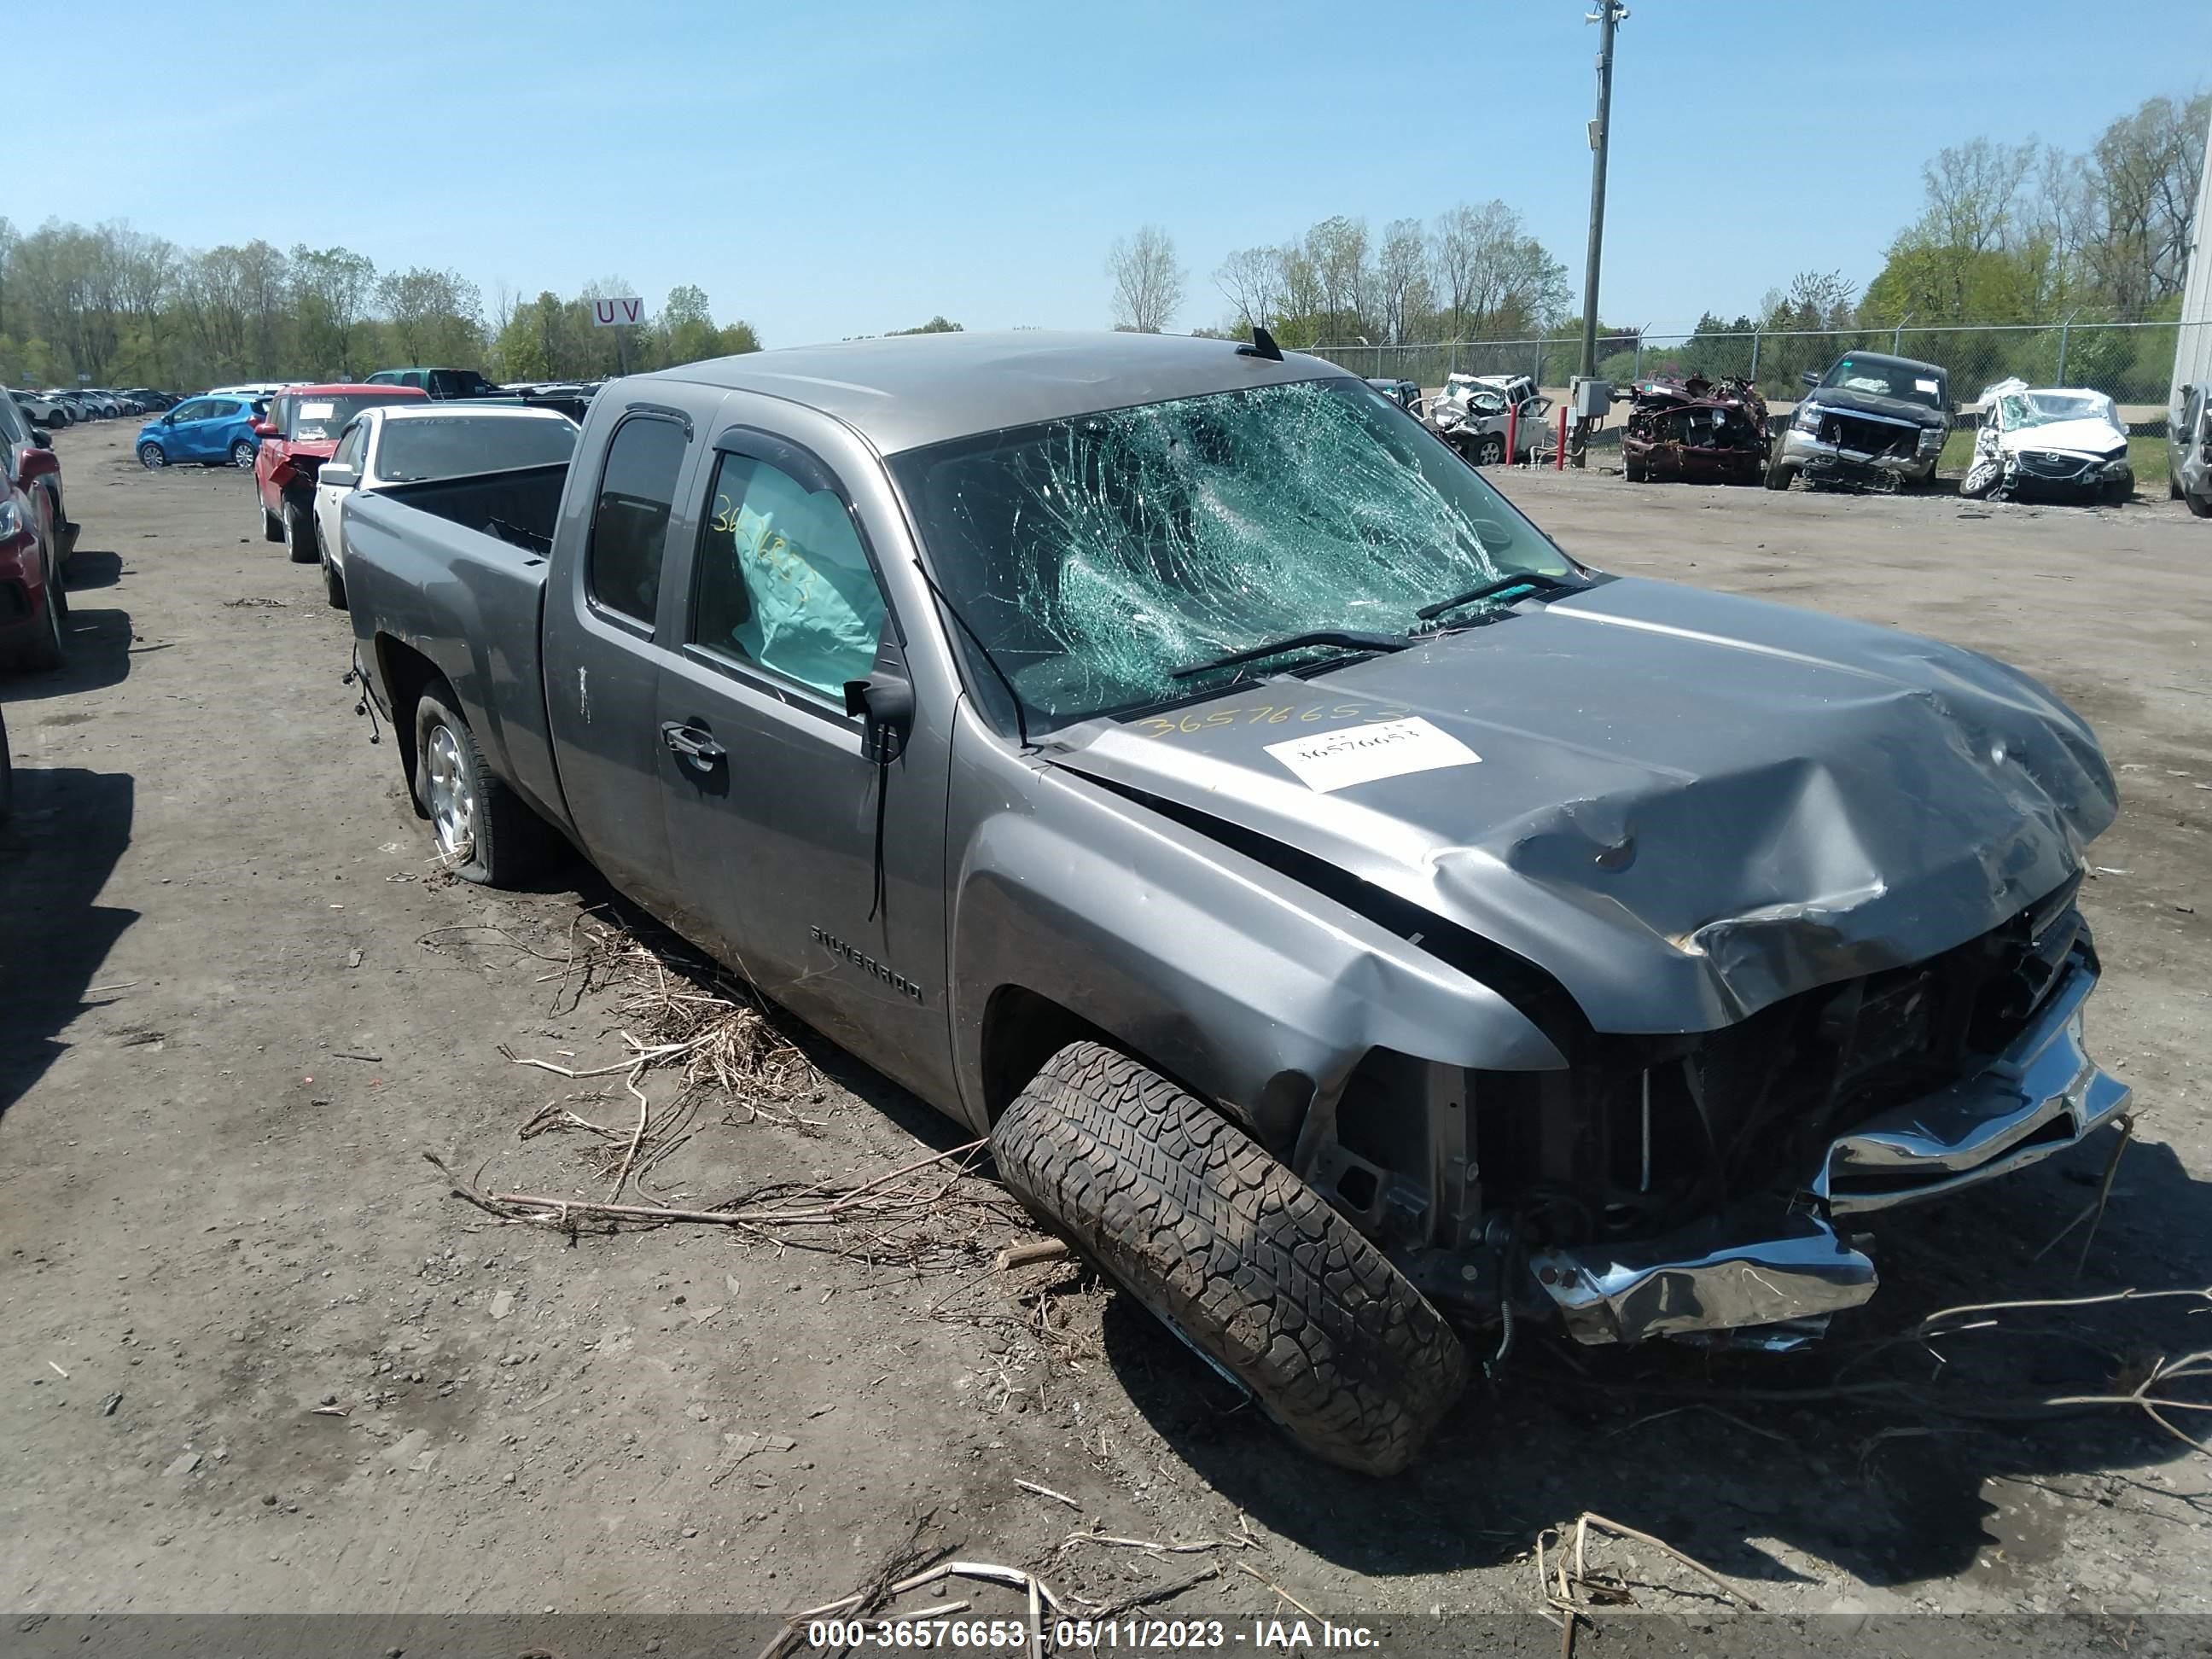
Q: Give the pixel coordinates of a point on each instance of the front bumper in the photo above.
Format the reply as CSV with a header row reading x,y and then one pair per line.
x,y
1818,457
1779,1260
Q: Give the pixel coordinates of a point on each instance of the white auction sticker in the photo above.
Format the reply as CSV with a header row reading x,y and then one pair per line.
x,y
1361,754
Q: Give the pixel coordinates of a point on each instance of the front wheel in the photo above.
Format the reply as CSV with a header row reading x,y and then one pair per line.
x,y
1489,452
1633,469
299,533
242,455
2200,505
152,456
1246,1263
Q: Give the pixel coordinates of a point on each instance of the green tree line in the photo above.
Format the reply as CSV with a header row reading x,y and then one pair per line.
x,y
122,307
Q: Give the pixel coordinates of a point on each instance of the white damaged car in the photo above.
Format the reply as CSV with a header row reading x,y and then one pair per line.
x,y
2053,443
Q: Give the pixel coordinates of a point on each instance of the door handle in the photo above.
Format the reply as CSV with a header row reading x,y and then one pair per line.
x,y
693,744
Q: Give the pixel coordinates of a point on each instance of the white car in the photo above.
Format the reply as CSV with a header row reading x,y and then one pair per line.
x,y
392,444
46,410
1474,414
2051,442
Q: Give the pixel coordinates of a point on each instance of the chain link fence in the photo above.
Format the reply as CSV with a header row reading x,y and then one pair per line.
x,y
2130,362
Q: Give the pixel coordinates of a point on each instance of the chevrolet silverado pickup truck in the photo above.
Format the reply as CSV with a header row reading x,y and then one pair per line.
x,y
1354,920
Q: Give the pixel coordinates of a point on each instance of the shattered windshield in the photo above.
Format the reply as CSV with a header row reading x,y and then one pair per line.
x,y
1094,557
2022,409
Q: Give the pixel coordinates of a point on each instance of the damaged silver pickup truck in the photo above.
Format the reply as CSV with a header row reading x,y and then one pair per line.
x,y
1349,915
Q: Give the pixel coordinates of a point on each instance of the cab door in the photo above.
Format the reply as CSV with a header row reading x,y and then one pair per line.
x,y
814,867
604,644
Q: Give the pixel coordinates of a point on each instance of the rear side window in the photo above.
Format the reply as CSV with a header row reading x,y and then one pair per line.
x,y
629,523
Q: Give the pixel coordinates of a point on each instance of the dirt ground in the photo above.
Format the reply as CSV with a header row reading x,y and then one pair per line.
x,y
260,1358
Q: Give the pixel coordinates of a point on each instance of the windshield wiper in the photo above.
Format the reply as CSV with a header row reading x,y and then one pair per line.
x,y
1344,639
1492,590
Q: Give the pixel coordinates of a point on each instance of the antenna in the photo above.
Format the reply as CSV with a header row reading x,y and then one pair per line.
x,y
1262,345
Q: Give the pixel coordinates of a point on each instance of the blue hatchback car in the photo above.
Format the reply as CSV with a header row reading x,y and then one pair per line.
x,y
215,431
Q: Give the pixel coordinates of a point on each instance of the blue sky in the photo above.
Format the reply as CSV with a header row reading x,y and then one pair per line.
x,y
829,169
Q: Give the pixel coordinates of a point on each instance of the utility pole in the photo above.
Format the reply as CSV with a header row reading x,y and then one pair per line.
x,y
1608,17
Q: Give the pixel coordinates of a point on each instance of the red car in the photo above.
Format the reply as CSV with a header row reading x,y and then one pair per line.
x,y
35,543
302,431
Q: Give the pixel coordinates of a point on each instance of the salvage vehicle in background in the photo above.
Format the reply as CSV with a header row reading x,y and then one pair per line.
x,y
2189,450
1480,415
46,411
1346,913
1871,421
30,459
2049,443
1695,429
35,544
439,383
415,443
214,431
301,431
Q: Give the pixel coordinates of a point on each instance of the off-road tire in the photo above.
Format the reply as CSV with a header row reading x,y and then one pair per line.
x,y
299,533
510,843
1243,1260
1779,474
272,527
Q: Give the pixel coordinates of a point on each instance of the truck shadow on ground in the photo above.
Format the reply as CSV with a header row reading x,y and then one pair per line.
x,y
69,829
98,650
1876,1453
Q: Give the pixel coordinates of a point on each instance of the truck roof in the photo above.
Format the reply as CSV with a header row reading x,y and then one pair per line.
x,y
904,391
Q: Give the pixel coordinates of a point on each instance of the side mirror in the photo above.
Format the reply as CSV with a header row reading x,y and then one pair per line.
x,y
1811,377
263,429
168,420
885,702
338,477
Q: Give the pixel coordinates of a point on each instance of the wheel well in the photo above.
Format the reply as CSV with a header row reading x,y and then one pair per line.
x,y
1023,1030
407,673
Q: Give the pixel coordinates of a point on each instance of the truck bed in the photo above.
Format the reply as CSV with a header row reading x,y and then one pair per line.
x,y
451,573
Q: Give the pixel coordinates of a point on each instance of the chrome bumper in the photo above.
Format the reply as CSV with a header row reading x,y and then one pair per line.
x,y
1766,1264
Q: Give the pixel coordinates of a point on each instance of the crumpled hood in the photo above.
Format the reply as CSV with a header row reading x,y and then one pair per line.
x,y
1686,805
1897,408
2087,436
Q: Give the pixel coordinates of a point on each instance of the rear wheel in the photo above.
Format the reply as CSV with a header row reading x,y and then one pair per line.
x,y
485,833
1246,1263
300,533
272,527
1633,469
2200,505
242,455
152,456
333,583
